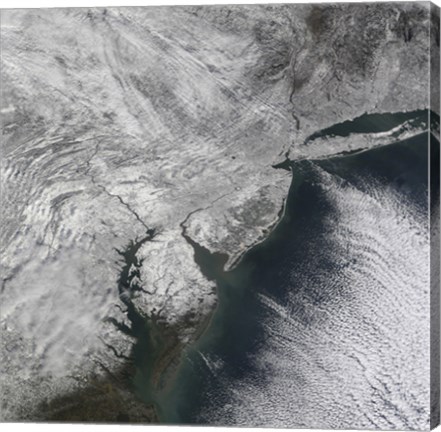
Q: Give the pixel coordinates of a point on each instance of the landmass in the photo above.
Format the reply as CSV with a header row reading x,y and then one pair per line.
x,y
134,136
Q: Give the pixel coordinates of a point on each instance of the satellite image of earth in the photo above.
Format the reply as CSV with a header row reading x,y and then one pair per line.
x,y
221,215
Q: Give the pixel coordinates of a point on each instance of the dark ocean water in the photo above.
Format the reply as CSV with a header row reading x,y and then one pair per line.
x,y
292,268
374,123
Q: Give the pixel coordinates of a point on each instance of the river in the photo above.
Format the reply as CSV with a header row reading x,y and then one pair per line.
x,y
283,308
240,370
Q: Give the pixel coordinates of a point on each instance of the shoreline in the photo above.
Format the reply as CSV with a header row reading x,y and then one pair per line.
x,y
208,321
271,229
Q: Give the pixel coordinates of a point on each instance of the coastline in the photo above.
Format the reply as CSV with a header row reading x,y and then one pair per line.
x,y
203,332
219,353
153,144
